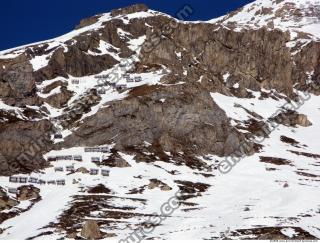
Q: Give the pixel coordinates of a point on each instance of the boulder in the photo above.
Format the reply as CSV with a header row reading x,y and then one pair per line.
x,y
302,120
155,183
28,193
82,170
115,160
5,201
291,118
90,230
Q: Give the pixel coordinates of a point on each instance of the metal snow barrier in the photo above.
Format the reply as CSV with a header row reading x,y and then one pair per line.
x,y
57,136
23,179
41,182
61,182
13,190
121,86
101,91
64,157
101,149
104,149
130,80
52,182
105,76
126,76
75,81
95,159
52,158
77,157
13,179
105,172
138,79
33,180
58,169
70,168
68,157
88,150
103,83
94,171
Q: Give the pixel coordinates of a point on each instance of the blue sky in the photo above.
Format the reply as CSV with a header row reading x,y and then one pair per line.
x,y
24,22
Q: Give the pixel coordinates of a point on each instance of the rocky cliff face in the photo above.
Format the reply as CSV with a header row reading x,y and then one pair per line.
x,y
22,146
177,112
176,118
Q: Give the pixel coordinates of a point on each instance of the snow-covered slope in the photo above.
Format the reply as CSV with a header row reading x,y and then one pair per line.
x,y
253,194
296,16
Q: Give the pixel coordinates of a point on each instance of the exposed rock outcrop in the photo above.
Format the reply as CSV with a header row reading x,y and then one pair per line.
x,y
155,183
5,201
82,170
22,145
129,10
292,118
115,160
91,230
28,193
60,99
19,76
188,120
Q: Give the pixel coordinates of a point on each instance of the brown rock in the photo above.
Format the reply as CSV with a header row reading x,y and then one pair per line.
x,y
128,10
115,160
302,120
91,230
165,188
20,77
22,145
5,201
82,170
72,235
291,118
60,99
28,193
188,121
87,21
75,62
52,86
154,183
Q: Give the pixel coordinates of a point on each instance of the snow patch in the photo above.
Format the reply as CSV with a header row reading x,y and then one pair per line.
x,y
290,232
226,76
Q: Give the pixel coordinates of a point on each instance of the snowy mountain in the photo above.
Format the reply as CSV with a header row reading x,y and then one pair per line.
x,y
302,16
101,127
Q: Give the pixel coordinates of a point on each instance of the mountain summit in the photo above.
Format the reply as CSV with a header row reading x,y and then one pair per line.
x,y
287,15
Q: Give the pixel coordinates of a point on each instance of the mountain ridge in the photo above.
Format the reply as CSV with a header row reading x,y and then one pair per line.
x,y
162,104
